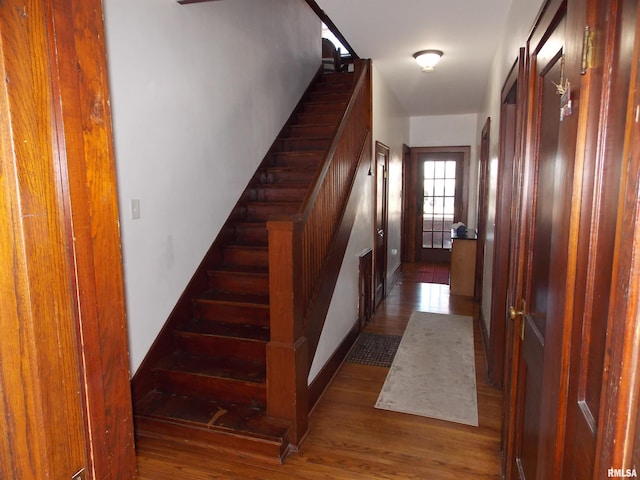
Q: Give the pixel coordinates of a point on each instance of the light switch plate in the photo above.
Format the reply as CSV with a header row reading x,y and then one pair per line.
x,y
135,209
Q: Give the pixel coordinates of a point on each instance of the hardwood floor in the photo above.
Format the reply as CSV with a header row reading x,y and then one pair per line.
x,y
349,439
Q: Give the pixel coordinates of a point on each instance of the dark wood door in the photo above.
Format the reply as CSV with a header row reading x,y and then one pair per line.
x,y
380,252
609,82
540,382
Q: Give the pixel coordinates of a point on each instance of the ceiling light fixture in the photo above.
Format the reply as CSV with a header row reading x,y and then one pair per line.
x,y
428,59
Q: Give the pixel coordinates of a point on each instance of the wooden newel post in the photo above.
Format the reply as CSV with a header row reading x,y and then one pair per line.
x,y
287,350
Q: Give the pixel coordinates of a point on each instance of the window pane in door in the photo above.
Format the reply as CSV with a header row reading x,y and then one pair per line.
x,y
426,240
450,187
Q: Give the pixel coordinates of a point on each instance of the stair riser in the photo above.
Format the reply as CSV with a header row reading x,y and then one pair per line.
x,y
222,389
279,177
292,194
323,131
252,234
328,97
335,87
301,144
239,283
246,256
239,348
334,81
319,118
322,107
212,440
268,211
305,161
231,313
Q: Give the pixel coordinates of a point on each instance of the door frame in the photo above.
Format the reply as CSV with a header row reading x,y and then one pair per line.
x,y
61,197
410,175
618,445
483,212
513,105
405,241
380,252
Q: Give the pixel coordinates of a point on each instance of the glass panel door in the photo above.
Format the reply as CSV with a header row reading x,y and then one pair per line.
x,y
440,189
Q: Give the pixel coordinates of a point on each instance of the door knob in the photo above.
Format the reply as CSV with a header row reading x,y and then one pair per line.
x,y
513,314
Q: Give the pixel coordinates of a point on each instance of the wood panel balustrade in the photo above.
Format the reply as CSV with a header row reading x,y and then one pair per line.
x,y
298,255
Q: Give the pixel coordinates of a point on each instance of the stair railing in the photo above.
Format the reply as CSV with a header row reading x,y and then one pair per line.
x,y
298,249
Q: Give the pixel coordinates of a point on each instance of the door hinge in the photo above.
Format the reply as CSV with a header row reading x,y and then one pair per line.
x,y
588,40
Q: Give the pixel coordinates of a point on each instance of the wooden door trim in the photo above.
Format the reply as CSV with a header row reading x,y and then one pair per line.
x,y
383,149
483,213
73,170
92,206
405,217
619,443
515,275
410,174
507,158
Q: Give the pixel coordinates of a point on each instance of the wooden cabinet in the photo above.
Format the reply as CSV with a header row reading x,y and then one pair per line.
x,y
463,266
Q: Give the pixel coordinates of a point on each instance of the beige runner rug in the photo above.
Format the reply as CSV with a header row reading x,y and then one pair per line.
x,y
433,374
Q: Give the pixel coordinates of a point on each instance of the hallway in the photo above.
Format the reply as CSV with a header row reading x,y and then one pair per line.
x,y
349,439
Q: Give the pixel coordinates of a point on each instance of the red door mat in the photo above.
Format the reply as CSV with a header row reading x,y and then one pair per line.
x,y
433,273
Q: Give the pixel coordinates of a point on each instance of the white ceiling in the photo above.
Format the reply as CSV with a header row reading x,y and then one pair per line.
x,y
390,31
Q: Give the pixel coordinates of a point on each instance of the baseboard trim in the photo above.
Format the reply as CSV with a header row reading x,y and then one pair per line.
x,y
485,340
324,378
395,278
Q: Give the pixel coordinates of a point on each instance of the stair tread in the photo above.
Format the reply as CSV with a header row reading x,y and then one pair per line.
x,y
223,329
235,298
246,371
210,414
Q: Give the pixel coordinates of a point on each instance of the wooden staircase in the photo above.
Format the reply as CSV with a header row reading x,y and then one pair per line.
x,y
204,381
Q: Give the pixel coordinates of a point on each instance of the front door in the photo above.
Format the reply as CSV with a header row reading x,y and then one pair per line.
x,y
547,273
439,203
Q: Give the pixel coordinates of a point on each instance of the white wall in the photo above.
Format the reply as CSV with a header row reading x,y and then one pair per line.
x,y
452,131
343,311
391,127
199,92
520,19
